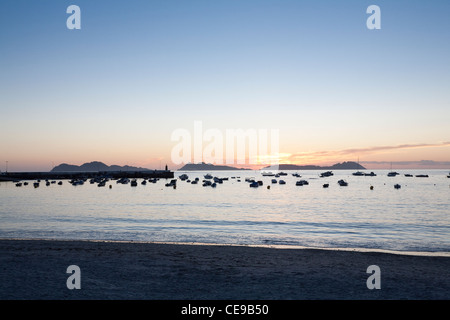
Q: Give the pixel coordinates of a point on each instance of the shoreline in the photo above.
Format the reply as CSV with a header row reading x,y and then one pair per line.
x,y
122,270
268,246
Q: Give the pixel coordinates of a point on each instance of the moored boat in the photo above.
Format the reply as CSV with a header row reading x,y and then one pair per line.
x,y
393,174
326,174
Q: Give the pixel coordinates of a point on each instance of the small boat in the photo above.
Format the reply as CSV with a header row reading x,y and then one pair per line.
x,y
296,175
260,182
274,180
372,174
144,182
326,174
208,176
326,185
101,184
172,183
206,183
343,183
134,183
302,183
397,186
358,173
60,183
282,182
393,174
194,181
267,174
254,184
123,181
36,184
19,184
184,176
214,185
25,183
47,183
282,173
408,175
421,176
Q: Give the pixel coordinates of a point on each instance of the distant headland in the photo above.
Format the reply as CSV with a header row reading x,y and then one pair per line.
x,y
349,165
206,167
95,166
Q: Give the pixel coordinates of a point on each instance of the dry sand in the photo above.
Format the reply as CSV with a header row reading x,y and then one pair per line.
x,y
36,269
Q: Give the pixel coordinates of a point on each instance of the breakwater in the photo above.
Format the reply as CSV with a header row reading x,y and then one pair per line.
x,y
17,176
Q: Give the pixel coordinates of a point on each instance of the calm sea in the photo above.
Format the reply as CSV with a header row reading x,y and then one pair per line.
x,y
415,217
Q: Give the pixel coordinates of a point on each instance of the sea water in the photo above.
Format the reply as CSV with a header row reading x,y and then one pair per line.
x,y
415,217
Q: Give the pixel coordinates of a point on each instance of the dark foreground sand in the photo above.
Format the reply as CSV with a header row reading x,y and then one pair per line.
x,y
36,269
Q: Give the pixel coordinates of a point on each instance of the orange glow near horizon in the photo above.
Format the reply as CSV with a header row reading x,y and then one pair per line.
x,y
402,156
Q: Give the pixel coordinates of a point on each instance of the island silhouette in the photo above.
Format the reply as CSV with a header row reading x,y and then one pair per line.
x,y
349,165
96,166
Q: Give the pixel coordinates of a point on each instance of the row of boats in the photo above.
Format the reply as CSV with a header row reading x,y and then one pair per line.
x,y
38,183
357,174
390,174
209,180
212,181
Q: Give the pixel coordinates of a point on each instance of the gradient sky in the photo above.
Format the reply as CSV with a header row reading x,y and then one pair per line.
x,y
115,90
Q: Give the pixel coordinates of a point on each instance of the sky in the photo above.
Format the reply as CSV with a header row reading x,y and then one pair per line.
x,y
117,89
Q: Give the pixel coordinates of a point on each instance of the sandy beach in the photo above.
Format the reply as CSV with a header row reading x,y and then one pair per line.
x,y
36,269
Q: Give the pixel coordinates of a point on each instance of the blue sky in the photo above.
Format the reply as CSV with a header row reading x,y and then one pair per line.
x,y
137,70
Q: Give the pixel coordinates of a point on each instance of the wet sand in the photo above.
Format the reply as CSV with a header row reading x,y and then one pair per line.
x,y
36,270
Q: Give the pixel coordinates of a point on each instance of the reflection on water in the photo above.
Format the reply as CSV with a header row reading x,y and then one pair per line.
x,y
414,217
